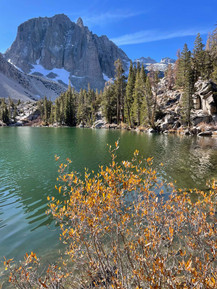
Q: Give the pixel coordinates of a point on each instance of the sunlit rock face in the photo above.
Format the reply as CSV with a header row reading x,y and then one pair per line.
x,y
45,44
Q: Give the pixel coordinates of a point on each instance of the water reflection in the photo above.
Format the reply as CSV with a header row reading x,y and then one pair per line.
x,y
28,173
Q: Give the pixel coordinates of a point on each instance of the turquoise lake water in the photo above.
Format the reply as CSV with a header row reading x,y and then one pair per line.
x,y
28,173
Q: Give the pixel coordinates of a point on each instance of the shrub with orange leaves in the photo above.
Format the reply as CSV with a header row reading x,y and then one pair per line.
x,y
122,232
27,274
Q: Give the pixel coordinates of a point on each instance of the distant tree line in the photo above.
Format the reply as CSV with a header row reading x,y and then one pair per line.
x,y
8,110
133,99
71,107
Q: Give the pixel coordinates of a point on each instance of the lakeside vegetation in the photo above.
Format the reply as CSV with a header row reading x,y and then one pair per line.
x,y
122,230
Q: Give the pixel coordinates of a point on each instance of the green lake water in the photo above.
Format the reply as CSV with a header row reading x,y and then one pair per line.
x,y
28,174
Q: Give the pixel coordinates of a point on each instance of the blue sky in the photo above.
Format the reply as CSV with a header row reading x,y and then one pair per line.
x,y
141,28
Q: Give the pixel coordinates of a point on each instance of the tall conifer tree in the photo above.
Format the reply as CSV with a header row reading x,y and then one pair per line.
x,y
120,85
198,57
129,98
186,102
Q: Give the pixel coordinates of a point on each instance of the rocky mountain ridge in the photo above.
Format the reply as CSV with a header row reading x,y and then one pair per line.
x,y
150,63
19,85
57,48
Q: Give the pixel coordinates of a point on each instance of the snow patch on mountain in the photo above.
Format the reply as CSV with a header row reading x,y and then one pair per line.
x,y
60,74
10,61
75,76
105,77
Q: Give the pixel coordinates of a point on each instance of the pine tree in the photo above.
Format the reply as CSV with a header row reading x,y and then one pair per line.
x,y
208,66
143,74
109,103
14,113
138,95
51,118
57,111
4,112
46,109
148,102
69,106
179,78
170,77
93,104
62,109
154,79
120,86
198,57
208,42
81,107
186,102
213,52
129,97
211,56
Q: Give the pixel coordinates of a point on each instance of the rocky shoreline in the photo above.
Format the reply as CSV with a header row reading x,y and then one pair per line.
x,y
168,121
202,129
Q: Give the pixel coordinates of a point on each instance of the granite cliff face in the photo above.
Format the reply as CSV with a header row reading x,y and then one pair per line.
x,y
204,110
60,49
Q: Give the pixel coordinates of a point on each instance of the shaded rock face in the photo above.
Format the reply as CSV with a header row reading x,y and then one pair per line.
x,y
57,42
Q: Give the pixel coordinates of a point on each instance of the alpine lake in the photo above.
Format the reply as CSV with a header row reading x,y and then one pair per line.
x,y
29,172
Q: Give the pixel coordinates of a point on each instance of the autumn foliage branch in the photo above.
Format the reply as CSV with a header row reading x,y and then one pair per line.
x,y
122,231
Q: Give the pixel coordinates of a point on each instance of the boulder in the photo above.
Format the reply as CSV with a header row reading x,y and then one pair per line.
x,y
2,123
164,126
205,97
205,133
187,132
195,130
113,125
151,130
200,117
99,124
214,133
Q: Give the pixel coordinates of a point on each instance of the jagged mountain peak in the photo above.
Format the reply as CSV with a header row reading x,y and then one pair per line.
x,y
80,22
45,21
149,63
146,60
56,45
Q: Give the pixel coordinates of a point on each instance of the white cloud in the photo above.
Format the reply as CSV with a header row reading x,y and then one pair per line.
x,y
153,35
109,17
